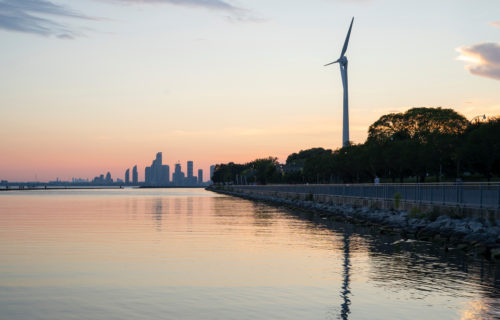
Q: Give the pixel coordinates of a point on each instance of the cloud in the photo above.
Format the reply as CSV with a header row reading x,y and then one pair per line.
x,y
209,4
37,17
237,14
496,24
483,59
41,16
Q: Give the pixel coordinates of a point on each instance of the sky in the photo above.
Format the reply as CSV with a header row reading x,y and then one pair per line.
x,y
91,86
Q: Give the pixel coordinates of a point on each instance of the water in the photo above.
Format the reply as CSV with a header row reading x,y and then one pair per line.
x,y
193,254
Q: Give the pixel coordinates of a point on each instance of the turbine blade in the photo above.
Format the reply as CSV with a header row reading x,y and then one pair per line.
x,y
346,42
332,63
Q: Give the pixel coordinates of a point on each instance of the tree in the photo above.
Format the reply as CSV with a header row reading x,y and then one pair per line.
x,y
303,155
301,167
351,163
227,172
266,170
319,167
412,143
433,133
481,149
391,126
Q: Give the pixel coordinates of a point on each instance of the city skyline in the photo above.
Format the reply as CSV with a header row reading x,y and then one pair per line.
x,y
158,174
133,179
131,172
95,86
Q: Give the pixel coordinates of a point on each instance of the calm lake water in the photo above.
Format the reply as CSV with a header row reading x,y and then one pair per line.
x,y
193,254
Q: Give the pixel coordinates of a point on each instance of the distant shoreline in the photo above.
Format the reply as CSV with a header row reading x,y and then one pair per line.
x,y
99,188
60,188
171,187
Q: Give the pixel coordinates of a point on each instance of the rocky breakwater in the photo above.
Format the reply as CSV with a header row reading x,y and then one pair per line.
x,y
473,235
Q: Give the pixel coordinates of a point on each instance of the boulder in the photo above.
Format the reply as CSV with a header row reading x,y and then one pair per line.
x,y
476,226
493,231
495,253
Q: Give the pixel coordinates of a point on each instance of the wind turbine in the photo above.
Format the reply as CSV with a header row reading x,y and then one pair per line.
x,y
343,72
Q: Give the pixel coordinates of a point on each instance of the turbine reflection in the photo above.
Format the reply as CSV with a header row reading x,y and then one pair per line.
x,y
346,291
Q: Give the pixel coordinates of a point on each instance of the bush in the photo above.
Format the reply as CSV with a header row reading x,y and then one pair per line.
x,y
397,200
433,214
415,213
491,217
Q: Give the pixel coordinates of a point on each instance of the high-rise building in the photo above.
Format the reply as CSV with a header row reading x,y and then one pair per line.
x,y
135,176
190,179
157,174
127,176
212,169
178,175
147,175
190,169
165,174
108,178
200,176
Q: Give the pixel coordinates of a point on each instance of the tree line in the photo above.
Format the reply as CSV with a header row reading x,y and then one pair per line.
x,y
421,144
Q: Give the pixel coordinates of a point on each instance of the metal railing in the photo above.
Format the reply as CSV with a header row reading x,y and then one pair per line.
x,y
477,195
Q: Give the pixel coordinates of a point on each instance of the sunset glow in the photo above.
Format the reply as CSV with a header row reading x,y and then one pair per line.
x,y
104,85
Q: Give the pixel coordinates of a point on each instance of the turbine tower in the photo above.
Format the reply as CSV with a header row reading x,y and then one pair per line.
x,y
343,72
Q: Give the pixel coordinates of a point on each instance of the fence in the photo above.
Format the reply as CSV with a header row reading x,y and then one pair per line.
x,y
473,195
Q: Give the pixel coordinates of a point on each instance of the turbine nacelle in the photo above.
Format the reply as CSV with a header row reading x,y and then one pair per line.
x,y
341,60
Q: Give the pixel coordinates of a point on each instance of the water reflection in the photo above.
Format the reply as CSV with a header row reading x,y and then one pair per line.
x,y
344,313
429,269
178,205
189,210
478,309
159,208
187,255
158,212
415,271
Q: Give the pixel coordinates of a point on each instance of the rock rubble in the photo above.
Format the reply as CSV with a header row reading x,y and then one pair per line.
x,y
468,234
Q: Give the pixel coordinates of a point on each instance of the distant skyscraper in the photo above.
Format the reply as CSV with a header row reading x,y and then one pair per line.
x,y
190,169
108,178
127,176
190,179
165,174
135,176
159,158
212,169
178,176
157,174
147,175
99,180
200,176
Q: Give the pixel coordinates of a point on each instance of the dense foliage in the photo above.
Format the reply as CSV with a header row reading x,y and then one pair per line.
x,y
417,144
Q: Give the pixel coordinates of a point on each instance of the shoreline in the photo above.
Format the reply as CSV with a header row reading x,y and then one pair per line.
x,y
61,188
99,188
172,187
470,234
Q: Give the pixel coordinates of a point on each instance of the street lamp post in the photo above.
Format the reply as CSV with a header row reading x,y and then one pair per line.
x,y
478,119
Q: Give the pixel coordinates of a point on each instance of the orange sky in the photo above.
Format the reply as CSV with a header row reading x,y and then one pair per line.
x,y
216,86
